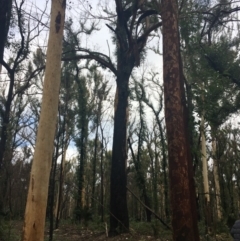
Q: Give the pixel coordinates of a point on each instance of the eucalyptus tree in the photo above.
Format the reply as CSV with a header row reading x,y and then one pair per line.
x,y
184,218
130,40
35,213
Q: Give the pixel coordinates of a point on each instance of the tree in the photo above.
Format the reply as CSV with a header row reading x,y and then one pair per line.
x,y
38,188
202,34
130,43
184,219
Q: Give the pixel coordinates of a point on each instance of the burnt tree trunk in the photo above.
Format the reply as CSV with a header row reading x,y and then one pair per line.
x,y
118,191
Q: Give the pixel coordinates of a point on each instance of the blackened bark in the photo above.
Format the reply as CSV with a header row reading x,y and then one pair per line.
x,y
5,15
6,119
184,221
118,191
129,47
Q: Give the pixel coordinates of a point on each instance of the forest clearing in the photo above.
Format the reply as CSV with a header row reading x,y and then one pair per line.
x,y
119,120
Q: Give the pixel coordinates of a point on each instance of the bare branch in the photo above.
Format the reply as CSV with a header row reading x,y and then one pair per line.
x,y
99,57
155,214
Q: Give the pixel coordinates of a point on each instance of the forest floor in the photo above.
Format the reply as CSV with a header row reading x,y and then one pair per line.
x,y
93,232
97,232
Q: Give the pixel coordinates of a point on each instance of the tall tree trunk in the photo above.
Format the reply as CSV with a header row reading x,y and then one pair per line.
x,y
118,191
205,175
38,188
216,179
101,173
81,171
164,167
95,156
184,219
155,177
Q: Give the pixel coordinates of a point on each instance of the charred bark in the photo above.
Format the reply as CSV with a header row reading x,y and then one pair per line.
x,y
118,192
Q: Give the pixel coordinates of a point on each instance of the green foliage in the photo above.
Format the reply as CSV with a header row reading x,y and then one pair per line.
x,y
212,73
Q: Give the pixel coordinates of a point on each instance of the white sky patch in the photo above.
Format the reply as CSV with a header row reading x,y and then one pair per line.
x,y
71,152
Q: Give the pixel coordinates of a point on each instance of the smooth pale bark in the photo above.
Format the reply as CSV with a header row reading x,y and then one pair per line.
x,y
184,218
204,162
216,180
205,176
39,178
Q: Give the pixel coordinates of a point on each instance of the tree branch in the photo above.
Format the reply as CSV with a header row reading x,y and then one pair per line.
x,y
156,215
99,57
143,37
